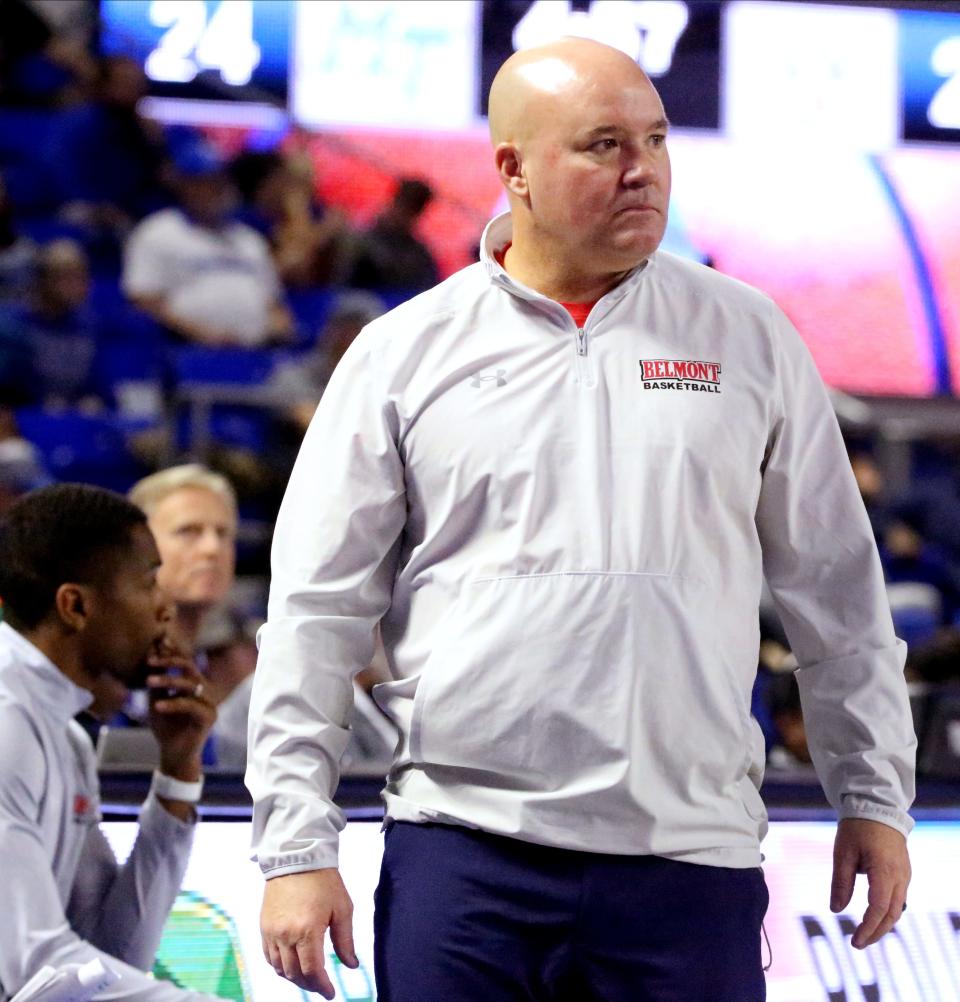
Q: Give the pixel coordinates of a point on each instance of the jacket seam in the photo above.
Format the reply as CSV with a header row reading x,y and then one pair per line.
x,y
582,574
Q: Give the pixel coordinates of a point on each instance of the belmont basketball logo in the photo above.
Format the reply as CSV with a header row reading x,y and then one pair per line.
x,y
676,374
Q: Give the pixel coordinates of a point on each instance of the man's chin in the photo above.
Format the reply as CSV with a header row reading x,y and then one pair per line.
x,y
109,696
136,679
629,249
206,595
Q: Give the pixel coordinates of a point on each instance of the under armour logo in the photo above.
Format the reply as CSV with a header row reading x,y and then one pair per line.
x,y
500,376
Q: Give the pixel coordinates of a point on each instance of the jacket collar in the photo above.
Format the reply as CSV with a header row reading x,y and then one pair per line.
x,y
36,677
498,234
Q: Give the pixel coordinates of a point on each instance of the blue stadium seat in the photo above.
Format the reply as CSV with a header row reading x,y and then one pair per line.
x,y
238,366
81,447
23,137
24,133
917,611
311,309
45,229
216,390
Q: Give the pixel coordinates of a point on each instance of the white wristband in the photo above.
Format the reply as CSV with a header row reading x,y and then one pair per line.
x,y
176,789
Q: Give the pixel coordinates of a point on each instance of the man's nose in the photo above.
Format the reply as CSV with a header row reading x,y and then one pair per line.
x,y
165,607
639,169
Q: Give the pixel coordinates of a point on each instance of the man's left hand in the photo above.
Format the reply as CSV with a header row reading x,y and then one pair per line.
x,y
181,714
880,852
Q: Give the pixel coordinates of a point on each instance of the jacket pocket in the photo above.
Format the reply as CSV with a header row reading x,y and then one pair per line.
x,y
598,680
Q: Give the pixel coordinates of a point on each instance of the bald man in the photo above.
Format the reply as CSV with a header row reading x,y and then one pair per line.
x,y
556,481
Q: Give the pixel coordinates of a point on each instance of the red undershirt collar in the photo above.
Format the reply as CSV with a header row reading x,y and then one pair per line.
x,y
579,311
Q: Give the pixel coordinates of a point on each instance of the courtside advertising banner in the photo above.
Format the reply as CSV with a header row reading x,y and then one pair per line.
x,y
212,940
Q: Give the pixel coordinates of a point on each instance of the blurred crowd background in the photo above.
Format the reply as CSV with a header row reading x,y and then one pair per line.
x,y
171,294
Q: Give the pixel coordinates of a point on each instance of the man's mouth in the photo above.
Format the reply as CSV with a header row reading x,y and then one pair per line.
x,y
205,572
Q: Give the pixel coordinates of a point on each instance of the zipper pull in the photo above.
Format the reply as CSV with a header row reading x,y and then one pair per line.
x,y
581,341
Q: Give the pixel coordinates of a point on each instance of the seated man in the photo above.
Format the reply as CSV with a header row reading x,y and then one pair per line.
x,y
192,513
58,333
78,580
116,190
390,254
207,278
299,382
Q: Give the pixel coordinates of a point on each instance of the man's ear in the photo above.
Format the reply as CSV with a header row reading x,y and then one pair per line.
x,y
509,163
72,603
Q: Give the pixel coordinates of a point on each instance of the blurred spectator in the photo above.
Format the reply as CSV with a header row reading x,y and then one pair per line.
x,y
105,159
937,661
20,467
790,750
17,253
908,558
192,513
300,382
206,277
53,341
389,255
310,242
773,659
44,55
933,496
870,481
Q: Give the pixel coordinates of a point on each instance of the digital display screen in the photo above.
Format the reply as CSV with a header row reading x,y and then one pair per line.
x,y
865,76
398,65
677,43
930,67
212,941
856,249
795,72
215,49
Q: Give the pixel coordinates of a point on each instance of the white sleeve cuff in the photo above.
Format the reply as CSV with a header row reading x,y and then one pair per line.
x,y
868,810
175,789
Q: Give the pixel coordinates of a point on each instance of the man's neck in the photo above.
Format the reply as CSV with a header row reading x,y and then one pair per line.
x,y
555,279
212,224
61,651
50,311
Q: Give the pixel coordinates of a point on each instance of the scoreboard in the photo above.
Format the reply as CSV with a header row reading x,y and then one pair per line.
x,y
867,76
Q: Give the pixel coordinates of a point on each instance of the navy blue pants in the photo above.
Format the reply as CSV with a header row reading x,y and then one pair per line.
x,y
465,916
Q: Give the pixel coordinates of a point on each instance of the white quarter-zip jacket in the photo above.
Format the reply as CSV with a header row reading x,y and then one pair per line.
x,y
563,534
65,899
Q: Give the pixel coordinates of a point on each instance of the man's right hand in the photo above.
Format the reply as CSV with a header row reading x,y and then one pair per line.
x,y
298,908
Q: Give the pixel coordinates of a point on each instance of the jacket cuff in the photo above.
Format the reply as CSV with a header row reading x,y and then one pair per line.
x,y
868,810
321,858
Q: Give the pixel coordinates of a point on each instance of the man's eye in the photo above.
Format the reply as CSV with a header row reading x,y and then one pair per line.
x,y
605,144
658,140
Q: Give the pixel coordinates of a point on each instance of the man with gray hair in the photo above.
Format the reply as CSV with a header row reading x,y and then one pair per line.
x,y
192,513
556,481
